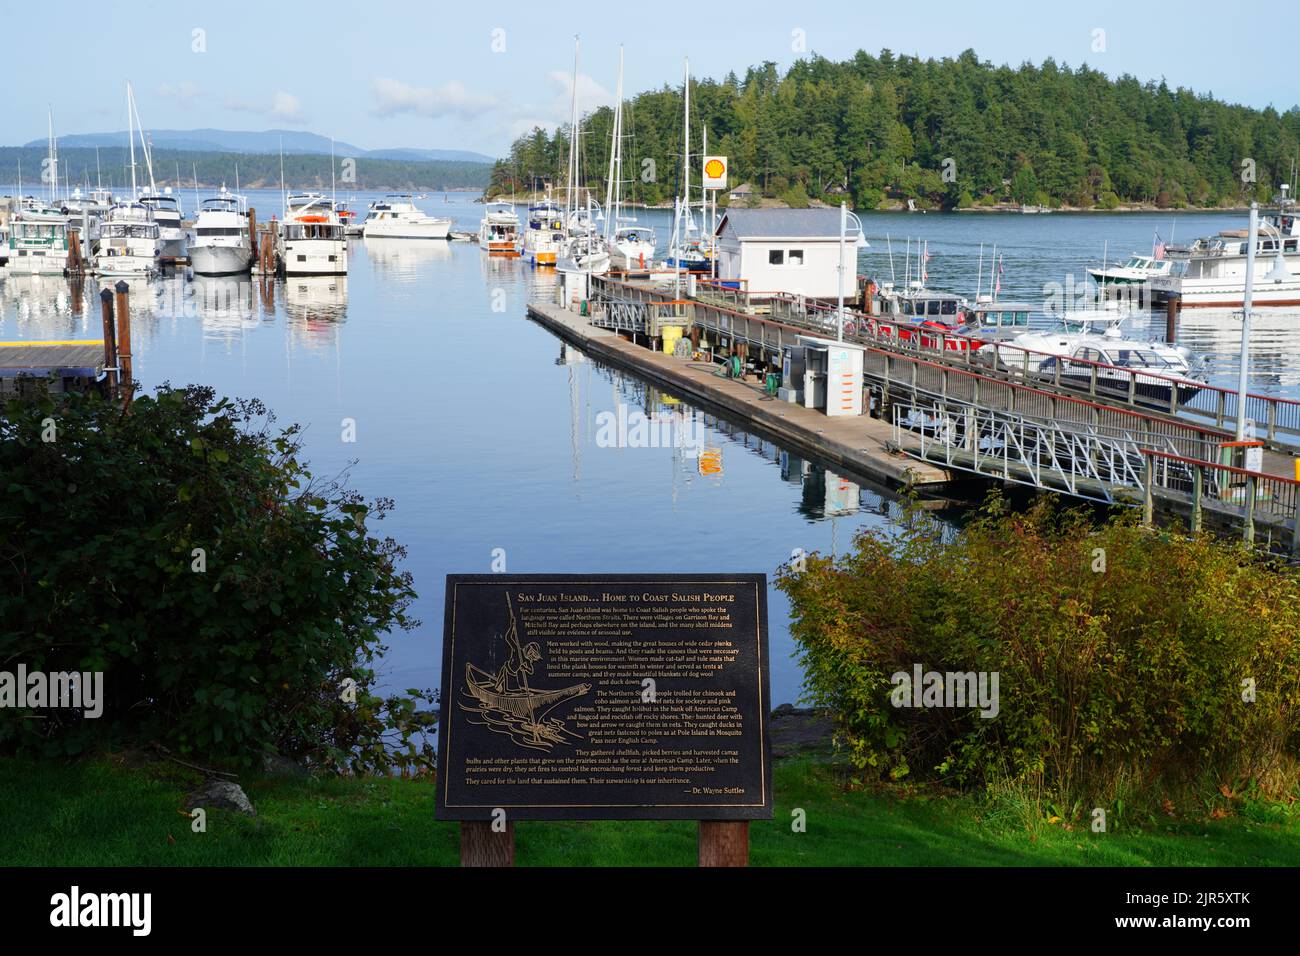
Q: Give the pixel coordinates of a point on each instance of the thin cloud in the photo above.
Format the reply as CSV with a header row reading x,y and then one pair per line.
x,y
184,93
284,107
393,98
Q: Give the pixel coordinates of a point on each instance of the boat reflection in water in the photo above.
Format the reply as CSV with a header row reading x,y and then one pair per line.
x,y
404,258
41,297
225,304
315,307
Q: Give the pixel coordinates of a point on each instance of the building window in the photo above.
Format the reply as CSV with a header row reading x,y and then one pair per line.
x,y
796,257
775,257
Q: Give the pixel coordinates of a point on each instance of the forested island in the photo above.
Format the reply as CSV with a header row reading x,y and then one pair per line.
x,y
949,133
81,167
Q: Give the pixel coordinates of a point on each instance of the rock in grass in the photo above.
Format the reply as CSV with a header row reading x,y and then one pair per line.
x,y
273,765
220,795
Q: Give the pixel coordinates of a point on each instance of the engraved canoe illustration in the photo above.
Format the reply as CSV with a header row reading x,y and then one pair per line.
x,y
505,702
531,704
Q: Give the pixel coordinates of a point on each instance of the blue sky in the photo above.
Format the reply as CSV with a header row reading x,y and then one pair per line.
x,y
473,75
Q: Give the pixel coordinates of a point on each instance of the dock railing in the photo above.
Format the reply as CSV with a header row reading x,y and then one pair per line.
x,y
1277,419
1256,500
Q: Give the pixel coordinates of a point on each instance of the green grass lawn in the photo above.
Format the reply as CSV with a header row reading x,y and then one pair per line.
x,y
93,813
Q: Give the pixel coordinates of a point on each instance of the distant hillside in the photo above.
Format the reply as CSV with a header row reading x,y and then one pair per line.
x,y
78,166
265,141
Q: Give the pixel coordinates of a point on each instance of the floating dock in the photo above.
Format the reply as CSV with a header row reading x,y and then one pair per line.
x,y
74,363
860,445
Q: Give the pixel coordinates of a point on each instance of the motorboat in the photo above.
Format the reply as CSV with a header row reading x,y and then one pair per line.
x,y
311,238
221,244
126,241
544,233
498,232
1088,348
172,240
397,217
36,242
1211,272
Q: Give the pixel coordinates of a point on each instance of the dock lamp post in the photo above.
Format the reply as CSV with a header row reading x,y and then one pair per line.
x,y
1252,236
859,243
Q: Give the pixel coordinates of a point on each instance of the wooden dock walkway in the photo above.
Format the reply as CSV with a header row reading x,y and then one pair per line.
x,y
860,445
73,362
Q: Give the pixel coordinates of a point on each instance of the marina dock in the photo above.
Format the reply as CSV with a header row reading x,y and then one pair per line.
x,y
860,445
72,363
934,414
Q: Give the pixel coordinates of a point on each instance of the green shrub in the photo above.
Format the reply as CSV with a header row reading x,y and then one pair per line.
x,y
240,650
1125,683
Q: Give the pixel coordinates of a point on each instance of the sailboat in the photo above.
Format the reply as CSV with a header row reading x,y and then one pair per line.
x,y
127,241
687,251
584,250
630,246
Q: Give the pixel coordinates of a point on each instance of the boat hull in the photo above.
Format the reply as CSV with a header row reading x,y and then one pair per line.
x,y
35,262
221,260
314,257
397,229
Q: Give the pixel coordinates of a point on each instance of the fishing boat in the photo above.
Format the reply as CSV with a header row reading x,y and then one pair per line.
x,y
397,217
222,245
126,241
311,238
544,233
498,231
528,704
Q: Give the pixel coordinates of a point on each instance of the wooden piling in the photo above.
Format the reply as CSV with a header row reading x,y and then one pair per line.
x,y
252,230
480,845
724,843
124,342
110,341
1173,305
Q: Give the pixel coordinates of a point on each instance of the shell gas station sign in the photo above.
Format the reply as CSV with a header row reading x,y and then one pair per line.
x,y
715,172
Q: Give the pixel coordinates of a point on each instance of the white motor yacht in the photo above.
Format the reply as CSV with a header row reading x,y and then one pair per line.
x,y
397,217
311,239
126,241
221,244
172,241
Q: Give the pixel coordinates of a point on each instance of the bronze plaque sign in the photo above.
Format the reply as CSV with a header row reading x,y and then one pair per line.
x,y
611,696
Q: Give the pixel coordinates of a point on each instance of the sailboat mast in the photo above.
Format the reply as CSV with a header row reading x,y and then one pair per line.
x,y
54,159
130,138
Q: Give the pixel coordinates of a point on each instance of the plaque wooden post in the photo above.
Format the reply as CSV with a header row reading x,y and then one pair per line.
x,y
724,843
480,846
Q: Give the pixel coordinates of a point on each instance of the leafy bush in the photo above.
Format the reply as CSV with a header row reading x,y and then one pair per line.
x,y
1117,684
796,197
242,648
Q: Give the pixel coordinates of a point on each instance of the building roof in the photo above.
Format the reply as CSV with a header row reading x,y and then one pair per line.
x,y
785,224
743,188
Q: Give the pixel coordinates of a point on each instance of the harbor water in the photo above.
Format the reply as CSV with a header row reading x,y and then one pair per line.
x,y
492,439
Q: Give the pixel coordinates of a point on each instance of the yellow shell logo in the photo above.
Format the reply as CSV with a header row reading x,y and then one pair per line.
x,y
715,169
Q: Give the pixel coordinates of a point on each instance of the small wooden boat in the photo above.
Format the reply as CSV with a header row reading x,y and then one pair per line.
x,y
530,704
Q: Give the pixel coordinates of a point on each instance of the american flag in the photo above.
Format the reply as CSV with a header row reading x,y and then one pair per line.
x,y
997,286
925,272
1159,249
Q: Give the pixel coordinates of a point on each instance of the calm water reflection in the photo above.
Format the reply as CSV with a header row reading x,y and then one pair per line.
x,y
484,430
